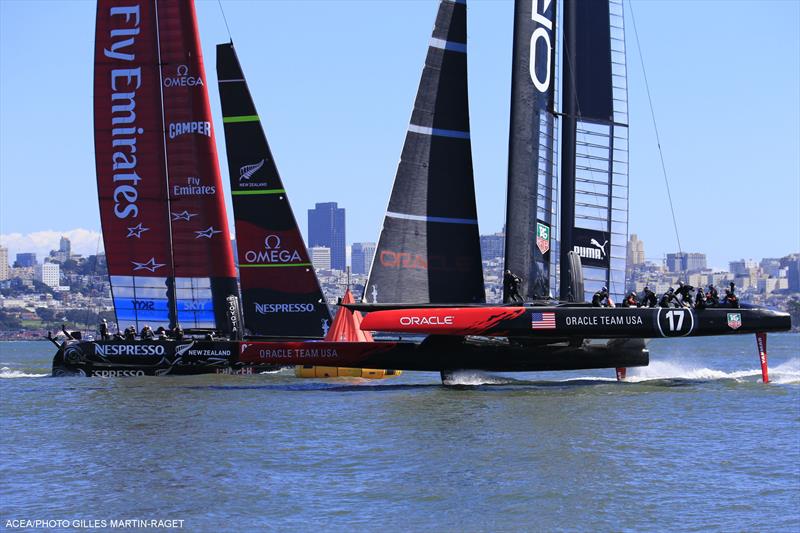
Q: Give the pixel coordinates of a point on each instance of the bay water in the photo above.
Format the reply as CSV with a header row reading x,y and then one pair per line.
x,y
694,442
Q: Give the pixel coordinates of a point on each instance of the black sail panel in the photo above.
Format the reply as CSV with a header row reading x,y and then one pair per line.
x,y
532,187
599,152
280,291
429,248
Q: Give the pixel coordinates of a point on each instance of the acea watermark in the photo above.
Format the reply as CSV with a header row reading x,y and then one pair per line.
x,y
120,523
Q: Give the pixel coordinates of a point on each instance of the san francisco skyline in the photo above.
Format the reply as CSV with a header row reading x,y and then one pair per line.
x,y
336,83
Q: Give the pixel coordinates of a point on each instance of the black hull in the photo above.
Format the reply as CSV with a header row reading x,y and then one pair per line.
x,y
162,358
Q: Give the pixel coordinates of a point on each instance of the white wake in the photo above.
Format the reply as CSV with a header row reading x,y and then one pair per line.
x,y
7,373
785,373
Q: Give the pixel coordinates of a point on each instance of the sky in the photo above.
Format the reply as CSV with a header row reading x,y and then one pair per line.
x,y
334,84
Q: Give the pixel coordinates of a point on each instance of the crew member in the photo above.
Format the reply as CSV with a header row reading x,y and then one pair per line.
x,y
147,333
630,300
511,284
733,288
731,300
65,332
685,292
669,298
102,329
600,298
713,296
649,299
130,333
178,332
700,299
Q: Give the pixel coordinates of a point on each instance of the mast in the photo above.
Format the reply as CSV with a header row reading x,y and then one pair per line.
x,y
532,185
280,290
429,248
568,126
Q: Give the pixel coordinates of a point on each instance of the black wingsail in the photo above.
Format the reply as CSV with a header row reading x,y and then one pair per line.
x,y
280,290
429,248
532,188
594,215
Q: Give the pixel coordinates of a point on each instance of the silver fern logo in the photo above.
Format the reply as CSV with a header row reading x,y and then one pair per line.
x,y
246,172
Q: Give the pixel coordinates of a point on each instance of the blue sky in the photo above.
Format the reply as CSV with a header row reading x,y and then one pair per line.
x,y
334,83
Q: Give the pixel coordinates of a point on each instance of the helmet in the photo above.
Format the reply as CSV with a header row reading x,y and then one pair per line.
x,y
680,284
604,288
670,290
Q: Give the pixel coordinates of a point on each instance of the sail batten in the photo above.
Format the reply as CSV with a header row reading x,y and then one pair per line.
x,y
428,250
280,291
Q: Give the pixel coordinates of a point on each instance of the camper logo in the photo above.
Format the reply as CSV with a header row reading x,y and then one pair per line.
x,y
734,320
543,237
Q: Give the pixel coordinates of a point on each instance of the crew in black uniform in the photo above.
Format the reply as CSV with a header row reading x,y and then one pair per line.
x,y
649,299
669,298
130,333
685,292
511,284
178,332
147,333
102,329
600,298
700,299
730,300
713,296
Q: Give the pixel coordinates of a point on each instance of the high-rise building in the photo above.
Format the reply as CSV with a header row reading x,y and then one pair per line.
x,y
3,263
320,257
25,260
694,262
326,227
792,265
493,246
743,267
635,251
65,247
49,274
361,254
686,262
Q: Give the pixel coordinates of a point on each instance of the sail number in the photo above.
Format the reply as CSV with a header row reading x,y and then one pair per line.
x,y
675,322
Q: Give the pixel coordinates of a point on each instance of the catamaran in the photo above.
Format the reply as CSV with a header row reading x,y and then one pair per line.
x,y
167,240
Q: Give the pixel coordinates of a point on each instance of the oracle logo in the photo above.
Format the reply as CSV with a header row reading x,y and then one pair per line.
x,y
427,320
541,36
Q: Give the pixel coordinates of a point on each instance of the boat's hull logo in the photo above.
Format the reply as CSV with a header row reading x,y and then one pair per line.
x,y
734,320
543,237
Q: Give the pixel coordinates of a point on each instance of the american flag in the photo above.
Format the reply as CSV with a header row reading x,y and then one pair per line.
x,y
543,321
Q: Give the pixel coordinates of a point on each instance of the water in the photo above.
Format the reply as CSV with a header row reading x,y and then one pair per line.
x,y
694,442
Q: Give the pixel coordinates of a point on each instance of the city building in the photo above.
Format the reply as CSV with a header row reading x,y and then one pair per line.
x,y
326,227
49,274
25,260
361,254
792,265
4,269
686,262
493,246
64,252
65,247
635,251
743,267
320,257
